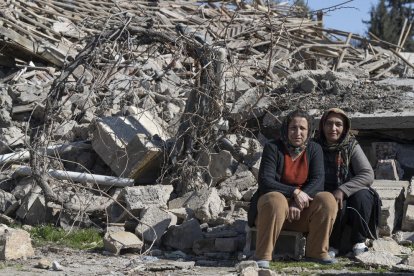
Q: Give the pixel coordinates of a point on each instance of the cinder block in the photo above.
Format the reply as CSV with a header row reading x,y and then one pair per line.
x,y
289,244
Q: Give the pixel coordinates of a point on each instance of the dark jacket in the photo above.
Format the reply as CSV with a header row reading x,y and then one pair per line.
x,y
271,170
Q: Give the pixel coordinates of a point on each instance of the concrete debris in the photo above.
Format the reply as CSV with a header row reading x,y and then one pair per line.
x,y
15,244
378,259
183,236
121,242
164,131
153,223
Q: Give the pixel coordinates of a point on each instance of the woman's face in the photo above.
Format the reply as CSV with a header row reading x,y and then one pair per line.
x,y
298,131
333,128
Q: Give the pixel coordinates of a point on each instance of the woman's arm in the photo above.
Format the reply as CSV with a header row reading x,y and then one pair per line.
x,y
316,177
364,175
268,170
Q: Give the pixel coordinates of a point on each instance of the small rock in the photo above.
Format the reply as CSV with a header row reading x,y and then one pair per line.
x,y
245,264
56,266
249,271
43,264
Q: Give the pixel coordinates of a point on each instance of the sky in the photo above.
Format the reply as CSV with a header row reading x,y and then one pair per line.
x,y
347,17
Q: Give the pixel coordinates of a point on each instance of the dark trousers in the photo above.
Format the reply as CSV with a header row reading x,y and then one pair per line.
x,y
356,212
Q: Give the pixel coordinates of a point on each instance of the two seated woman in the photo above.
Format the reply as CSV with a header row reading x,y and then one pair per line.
x,y
295,193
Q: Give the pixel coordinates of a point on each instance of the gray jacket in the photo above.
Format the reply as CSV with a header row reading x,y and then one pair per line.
x,y
361,175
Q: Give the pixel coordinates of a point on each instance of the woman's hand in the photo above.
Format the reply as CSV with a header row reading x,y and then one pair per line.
x,y
294,212
302,199
339,197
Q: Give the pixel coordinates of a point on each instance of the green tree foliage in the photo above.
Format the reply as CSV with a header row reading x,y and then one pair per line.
x,y
387,20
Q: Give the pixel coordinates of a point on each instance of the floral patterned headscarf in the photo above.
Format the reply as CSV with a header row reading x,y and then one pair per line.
x,y
343,148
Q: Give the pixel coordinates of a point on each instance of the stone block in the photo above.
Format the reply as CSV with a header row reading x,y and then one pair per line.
x,y
226,244
205,203
392,194
219,165
10,138
6,200
408,219
119,242
243,179
131,146
375,259
33,209
15,244
386,245
289,244
139,197
204,245
153,223
182,236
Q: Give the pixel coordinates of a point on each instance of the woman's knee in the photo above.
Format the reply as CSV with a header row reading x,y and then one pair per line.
x,y
273,201
326,201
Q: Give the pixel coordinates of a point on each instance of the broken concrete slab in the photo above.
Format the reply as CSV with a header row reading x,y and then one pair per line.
x,y
6,200
10,138
33,210
119,242
252,104
242,179
131,146
378,259
183,236
392,194
15,244
138,198
408,219
153,224
205,203
219,166
386,245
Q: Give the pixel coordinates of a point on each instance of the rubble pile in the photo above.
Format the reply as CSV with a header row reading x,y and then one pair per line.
x,y
150,116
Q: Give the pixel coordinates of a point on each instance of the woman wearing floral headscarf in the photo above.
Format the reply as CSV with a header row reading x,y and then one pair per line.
x,y
348,176
290,194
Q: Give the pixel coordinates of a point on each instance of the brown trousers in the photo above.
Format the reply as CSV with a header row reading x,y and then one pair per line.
x,y
317,220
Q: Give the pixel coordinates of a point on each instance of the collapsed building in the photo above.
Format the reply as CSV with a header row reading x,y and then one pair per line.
x,y
147,119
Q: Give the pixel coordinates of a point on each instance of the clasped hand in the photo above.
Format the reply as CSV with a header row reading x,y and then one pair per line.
x,y
302,199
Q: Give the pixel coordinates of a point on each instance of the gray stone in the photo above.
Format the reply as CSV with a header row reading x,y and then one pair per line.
x,y
205,203
15,244
33,209
309,85
408,219
131,146
244,264
153,223
5,118
202,246
386,245
242,179
183,236
249,271
229,193
6,200
247,195
10,138
226,244
139,197
219,165
392,194
410,260
64,130
115,242
372,258
183,214
252,104
23,187
289,244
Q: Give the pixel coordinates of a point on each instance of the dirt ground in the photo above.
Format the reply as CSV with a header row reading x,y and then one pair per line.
x,y
76,262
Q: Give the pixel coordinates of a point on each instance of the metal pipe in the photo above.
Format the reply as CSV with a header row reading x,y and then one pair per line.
x,y
60,148
80,177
